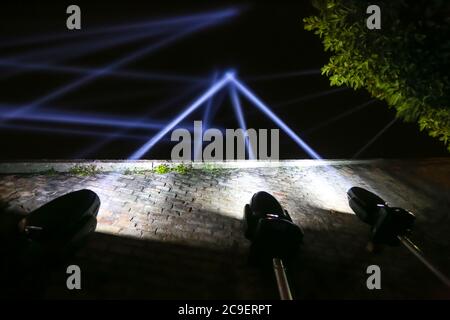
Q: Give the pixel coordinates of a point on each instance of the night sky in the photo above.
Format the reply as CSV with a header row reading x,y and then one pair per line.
x,y
262,40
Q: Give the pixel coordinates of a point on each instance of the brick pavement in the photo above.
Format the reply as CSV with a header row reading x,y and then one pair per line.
x,y
180,235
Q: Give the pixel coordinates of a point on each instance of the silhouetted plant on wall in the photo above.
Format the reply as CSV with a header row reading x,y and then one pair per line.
x,y
405,63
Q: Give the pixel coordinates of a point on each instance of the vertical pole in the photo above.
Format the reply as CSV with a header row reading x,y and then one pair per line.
x,y
418,253
282,282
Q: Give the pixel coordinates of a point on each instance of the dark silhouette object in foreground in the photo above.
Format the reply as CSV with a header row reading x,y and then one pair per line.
x,y
63,223
389,225
273,235
48,235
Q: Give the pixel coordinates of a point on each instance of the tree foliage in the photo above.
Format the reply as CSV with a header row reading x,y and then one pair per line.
x,y
405,63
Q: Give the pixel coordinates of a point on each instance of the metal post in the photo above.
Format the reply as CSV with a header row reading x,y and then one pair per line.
x,y
282,282
418,253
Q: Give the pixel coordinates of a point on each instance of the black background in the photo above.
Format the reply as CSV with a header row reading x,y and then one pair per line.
x,y
264,39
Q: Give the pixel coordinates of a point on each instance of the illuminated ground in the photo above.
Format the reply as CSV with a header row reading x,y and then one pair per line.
x,y
179,235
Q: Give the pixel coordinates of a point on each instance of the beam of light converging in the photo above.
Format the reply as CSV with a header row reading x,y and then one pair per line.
x,y
191,108
147,76
241,120
185,19
210,110
124,97
68,132
284,75
375,138
119,63
217,102
206,112
268,112
136,124
339,117
209,105
325,184
84,119
90,77
79,48
310,96
64,53
75,50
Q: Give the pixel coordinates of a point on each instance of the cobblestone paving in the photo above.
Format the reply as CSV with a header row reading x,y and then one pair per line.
x,y
180,235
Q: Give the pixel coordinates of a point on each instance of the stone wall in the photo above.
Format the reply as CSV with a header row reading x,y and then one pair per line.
x,y
179,235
